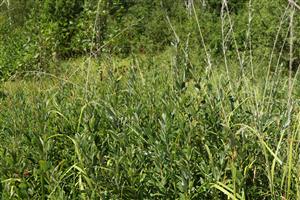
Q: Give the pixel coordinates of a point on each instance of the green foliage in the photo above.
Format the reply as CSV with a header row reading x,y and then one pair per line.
x,y
140,131
61,17
233,6
57,30
11,49
171,100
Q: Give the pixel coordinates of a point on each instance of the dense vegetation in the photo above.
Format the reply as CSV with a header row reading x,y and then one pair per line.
x,y
173,99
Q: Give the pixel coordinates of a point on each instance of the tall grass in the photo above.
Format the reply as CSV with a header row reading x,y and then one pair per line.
x,y
170,126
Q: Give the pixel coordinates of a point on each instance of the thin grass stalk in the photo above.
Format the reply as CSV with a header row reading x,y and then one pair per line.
x,y
289,165
91,48
275,83
274,160
266,85
290,90
249,39
297,140
208,57
294,4
241,62
224,45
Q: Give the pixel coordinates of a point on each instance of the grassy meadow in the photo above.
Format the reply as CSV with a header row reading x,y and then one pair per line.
x,y
138,128
181,122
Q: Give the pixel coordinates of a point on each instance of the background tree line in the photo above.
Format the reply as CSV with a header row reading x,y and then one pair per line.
x,y
33,34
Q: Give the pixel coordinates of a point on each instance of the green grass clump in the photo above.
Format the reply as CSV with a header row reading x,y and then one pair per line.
x,y
103,99
148,128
